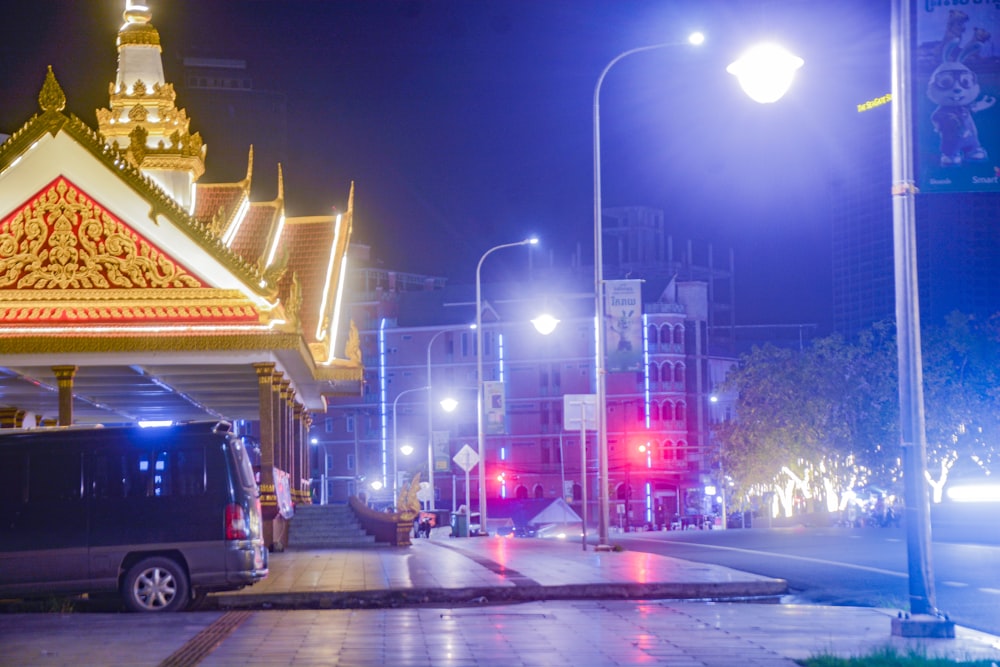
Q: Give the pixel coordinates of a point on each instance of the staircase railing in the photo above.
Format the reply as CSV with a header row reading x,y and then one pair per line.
x,y
392,527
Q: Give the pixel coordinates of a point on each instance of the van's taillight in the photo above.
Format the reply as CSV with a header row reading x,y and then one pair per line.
x,y
236,523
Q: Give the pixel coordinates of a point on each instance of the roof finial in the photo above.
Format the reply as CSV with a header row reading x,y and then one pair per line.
x,y
51,97
249,177
136,12
281,184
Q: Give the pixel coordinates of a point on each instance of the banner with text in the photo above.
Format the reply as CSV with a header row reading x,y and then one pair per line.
x,y
442,452
496,408
956,83
623,325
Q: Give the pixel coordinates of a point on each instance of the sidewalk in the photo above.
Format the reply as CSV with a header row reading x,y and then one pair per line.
x,y
450,602
457,571
461,572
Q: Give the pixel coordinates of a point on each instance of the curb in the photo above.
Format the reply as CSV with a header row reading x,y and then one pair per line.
x,y
764,590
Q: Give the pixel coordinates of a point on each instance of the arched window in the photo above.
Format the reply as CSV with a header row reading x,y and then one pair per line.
x,y
681,449
668,450
539,491
679,335
654,411
653,334
577,492
521,493
679,374
667,372
654,372
665,334
668,411
679,412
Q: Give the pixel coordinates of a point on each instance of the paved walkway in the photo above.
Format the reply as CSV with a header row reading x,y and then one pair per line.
x,y
456,595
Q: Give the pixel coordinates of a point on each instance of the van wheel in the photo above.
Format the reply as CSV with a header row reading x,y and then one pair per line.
x,y
155,584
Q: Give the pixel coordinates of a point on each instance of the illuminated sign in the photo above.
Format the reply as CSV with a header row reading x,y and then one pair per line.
x,y
877,102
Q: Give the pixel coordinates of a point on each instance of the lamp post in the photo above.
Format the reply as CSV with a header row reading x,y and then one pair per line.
x,y
600,380
430,432
781,65
911,398
480,406
395,441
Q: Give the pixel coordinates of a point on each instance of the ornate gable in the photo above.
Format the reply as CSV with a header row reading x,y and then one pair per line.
x,y
64,258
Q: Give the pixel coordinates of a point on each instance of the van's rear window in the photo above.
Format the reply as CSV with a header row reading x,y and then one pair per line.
x,y
243,466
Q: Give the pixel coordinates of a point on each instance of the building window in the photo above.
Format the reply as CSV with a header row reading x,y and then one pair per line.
x,y
349,423
350,461
679,336
654,373
653,334
668,451
328,424
679,413
667,372
668,411
679,374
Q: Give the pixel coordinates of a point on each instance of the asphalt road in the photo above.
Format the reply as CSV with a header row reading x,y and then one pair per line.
x,y
855,566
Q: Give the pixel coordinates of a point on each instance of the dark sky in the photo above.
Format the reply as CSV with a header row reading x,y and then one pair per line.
x,y
468,123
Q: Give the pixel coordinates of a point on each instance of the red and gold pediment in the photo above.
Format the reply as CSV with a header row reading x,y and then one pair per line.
x,y
65,258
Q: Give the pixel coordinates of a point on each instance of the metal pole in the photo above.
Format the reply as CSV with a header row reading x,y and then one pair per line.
x,y
911,399
395,441
480,407
600,379
583,468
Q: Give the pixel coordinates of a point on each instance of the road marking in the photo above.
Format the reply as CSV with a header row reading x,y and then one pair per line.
x,y
995,591
807,559
955,584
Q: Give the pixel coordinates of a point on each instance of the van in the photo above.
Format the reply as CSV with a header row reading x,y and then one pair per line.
x,y
160,516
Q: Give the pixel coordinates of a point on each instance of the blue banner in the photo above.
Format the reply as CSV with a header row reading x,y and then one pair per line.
x,y
956,84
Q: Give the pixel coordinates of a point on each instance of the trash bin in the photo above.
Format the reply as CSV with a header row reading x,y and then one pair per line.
x,y
459,524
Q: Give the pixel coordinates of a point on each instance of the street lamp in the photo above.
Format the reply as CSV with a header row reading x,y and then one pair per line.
x,y
449,405
744,68
395,441
480,404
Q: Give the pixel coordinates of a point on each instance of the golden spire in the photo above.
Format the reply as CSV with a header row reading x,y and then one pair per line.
x,y
248,181
142,100
51,97
281,185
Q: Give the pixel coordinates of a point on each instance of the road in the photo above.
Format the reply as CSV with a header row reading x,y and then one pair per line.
x,y
854,566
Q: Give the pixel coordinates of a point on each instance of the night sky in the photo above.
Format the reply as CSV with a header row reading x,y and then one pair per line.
x,y
468,123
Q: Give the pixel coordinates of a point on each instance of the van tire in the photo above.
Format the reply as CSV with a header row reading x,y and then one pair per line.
x,y
156,584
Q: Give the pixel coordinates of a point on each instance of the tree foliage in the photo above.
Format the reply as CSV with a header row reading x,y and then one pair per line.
x,y
826,417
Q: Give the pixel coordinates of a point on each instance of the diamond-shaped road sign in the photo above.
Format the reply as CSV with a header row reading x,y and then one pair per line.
x,y
466,458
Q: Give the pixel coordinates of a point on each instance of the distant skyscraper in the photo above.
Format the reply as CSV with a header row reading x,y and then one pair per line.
x,y
958,241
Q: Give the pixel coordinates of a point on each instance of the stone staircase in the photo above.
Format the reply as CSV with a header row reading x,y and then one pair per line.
x,y
327,527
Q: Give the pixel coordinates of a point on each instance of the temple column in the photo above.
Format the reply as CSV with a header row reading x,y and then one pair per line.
x,y
268,499
280,435
64,379
301,455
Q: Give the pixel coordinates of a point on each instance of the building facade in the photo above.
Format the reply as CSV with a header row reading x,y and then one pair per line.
x,y
418,348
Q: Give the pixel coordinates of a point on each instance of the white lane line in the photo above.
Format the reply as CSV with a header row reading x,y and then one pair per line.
x,y
995,591
955,584
805,559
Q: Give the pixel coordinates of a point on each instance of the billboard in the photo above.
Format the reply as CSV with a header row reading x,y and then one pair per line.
x,y
623,325
956,80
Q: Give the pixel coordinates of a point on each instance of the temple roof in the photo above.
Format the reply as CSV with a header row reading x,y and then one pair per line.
x,y
101,257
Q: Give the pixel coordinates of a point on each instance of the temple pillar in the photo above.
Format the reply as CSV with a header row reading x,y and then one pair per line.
x,y
268,499
64,379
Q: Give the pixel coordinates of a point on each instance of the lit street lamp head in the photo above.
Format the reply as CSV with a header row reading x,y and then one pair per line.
x,y
545,324
765,72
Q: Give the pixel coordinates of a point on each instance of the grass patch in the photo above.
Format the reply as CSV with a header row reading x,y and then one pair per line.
x,y
890,657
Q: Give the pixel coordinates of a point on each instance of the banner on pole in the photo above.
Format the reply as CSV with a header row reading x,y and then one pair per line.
x,y
956,82
442,453
623,325
496,408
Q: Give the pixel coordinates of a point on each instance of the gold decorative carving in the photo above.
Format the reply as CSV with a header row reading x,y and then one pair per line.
x,y
64,240
353,348
51,97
